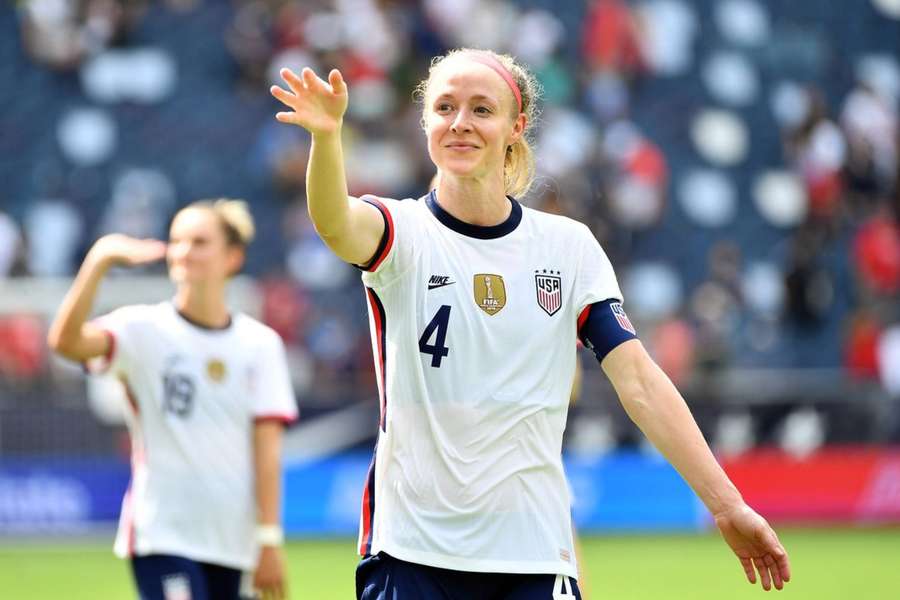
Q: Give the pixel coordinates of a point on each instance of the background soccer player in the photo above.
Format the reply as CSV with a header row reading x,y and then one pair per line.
x,y
475,303
209,393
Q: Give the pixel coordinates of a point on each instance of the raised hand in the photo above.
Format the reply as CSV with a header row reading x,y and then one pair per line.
x,y
118,249
318,106
756,545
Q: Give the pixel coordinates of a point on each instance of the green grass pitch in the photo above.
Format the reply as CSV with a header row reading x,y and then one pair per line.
x,y
838,564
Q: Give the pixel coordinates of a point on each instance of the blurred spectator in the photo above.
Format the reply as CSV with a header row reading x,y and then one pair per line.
x,y
810,288
871,126
669,30
142,202
673,347
861,349
818,150
284,308
877,254
22,348
54,230
889,371
610,40
10,244
639,178
60,33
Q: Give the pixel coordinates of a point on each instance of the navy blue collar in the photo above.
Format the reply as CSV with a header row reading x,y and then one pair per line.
x,y
199,325
482,232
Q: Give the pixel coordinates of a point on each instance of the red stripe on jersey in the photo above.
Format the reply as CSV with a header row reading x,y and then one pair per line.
x,y
380,360
91,367
111,349
284,419
583,317
389,223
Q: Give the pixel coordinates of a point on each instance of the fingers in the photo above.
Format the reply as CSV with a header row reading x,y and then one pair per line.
x,y
274,591
283,96
776,559
294,82
778,556
747,564
337,82
763,571
777,581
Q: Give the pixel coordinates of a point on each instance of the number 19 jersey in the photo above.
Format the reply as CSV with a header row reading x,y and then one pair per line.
x,y
474,337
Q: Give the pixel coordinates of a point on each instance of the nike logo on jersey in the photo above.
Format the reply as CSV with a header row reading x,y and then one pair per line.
x,y
437,281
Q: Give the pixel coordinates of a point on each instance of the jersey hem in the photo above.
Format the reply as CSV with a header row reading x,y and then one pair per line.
x,y
459,563
211,558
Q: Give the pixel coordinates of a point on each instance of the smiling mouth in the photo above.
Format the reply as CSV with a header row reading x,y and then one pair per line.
x,y
462,146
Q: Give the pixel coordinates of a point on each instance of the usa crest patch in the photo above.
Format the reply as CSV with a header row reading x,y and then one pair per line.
x,y
621,317
549,292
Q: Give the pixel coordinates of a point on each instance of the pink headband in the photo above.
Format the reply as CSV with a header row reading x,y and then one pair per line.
x,y
489,61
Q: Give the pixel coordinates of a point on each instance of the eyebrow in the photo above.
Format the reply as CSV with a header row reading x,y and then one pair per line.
x,y
475,97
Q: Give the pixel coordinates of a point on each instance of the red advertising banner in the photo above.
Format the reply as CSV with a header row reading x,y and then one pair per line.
x,y
857,484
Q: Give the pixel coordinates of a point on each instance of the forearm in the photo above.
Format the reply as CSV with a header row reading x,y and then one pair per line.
x,y
658,409
66,330
326,187
267,463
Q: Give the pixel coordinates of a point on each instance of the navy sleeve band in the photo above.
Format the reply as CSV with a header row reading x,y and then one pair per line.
x,y
604,327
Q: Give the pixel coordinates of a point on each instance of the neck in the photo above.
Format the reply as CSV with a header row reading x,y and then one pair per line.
x,y
475,201
203,305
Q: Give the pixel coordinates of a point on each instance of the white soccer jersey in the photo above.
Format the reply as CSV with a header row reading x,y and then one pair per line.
x,y
195,394
474,336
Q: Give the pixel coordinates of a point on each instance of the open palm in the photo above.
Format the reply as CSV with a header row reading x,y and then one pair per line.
x,y
756,545
127,251
317,105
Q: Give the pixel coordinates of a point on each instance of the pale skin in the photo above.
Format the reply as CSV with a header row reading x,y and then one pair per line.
x,y
200,263
470,118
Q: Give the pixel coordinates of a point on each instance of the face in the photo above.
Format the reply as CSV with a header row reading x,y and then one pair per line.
x,y
197,251
469,119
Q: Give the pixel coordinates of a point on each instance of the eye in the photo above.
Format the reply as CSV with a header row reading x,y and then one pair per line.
x,y
482,110
443,107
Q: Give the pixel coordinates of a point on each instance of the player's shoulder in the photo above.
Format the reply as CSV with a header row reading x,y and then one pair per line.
x,y
255,330
137,313
395,205
555,223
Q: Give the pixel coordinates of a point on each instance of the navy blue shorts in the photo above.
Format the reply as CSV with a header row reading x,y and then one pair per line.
x,y
383,577
166,577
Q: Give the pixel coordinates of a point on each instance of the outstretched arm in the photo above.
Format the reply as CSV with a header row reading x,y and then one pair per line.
x,y
351,228
654,404
70,334
269,577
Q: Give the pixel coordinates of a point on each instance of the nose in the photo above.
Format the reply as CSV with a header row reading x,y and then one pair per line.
x,y
461,122
179,250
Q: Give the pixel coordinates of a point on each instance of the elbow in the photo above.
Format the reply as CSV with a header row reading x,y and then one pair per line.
x,y
55,341
61,345
637,405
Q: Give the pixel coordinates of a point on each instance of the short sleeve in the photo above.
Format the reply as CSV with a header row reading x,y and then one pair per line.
x,y
395,251
595,280
274,397
119,327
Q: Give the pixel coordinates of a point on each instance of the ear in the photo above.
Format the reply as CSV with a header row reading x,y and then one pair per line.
x,y
235,260
518,128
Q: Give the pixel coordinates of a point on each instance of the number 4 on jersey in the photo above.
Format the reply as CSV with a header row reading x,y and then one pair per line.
x,y
437,351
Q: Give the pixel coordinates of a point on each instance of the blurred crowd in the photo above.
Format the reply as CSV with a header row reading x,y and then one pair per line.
x,y
738,159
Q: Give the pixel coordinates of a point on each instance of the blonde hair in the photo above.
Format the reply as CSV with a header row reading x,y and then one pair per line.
x,y
234,216
519,166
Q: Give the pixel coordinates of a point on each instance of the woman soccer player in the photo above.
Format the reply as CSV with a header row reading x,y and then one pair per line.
x,y
209,393
475,303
